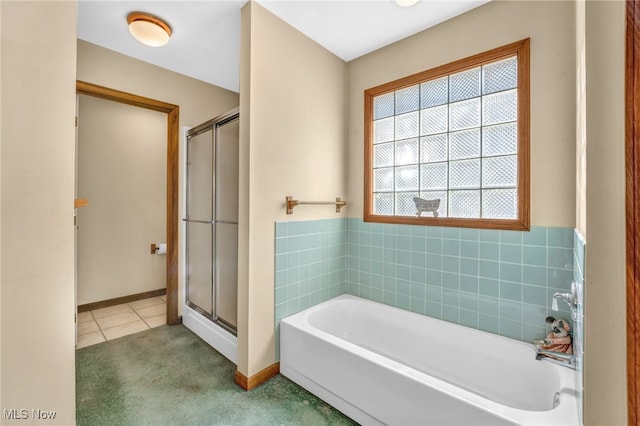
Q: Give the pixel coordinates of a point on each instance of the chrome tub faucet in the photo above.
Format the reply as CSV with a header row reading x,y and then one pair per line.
x,y
560,358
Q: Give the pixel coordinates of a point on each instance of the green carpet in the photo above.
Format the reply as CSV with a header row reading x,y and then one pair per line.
x,y
169,376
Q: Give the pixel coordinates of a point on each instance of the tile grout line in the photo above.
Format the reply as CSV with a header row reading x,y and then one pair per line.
x,y
139,316
120,325
164,304
99,328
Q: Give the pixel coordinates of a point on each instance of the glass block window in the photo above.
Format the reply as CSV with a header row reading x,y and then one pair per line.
x,y
450,146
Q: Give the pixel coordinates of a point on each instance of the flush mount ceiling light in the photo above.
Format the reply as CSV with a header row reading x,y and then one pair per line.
x,y
148,29
406,3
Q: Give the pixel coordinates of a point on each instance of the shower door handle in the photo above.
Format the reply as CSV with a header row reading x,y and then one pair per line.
x,y
225,222
210,222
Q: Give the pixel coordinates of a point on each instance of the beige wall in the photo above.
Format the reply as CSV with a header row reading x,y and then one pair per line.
x,y
122,171
291,143
605,323
550,25
38,104
198,101
1,405
581,119
244,176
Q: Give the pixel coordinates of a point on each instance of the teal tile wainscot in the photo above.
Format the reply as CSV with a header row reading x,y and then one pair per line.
x,y
497,281
310,265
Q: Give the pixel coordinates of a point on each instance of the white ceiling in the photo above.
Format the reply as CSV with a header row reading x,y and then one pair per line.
x,y
205,43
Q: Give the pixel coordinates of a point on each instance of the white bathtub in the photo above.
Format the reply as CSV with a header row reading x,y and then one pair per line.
x,y
382,365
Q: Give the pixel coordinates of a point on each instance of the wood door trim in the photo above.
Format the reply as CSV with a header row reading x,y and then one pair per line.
x,y
84,88
173,115
632,166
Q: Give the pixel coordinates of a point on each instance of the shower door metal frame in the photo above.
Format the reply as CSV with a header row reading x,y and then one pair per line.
x,y
212,125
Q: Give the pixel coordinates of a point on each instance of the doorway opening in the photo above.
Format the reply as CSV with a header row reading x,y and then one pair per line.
x,y
172,112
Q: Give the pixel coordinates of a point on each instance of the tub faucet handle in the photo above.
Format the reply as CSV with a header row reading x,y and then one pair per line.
x,y
567,297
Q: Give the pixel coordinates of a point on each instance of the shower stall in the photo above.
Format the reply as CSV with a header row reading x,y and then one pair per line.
x,y
211,232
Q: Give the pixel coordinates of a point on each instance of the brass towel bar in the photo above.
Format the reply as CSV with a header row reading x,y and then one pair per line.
x,y
291,203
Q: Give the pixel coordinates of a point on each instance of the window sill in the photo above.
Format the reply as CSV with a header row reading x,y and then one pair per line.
x,y
504,224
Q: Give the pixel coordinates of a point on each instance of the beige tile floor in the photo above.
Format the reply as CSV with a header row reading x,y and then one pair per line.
x,y
110,323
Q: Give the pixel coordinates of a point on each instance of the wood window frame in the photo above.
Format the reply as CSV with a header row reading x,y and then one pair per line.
x,y
521,49
173,114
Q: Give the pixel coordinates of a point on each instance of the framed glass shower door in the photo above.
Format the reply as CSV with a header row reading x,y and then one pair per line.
x,y
226,220
200,226
212,220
